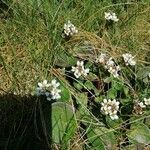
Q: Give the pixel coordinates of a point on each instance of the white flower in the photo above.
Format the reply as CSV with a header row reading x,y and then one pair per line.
x,y
138,107
141,104
79,69
109,64
54,83
112,68
55,93
69,29
114,116
129,59
39,91
147,101
110,108
111,16
42,87
114,71
102,58
50,90
44,84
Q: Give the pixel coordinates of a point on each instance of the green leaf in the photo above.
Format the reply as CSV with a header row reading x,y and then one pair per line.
x,y
65,94
88,65
63,122
143,74
139,133
147,121
108,80
77,85
64,60
92,76
125,101
96,142
112,93
99,98
89,85
82,99
113,123
130,147
126,90
117,85
101,138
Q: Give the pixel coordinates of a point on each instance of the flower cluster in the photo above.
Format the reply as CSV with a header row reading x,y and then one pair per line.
x,y
101,58
141,104
79,69
110,108
138,107
109,64
147,101
112,67
129,59
69,29
50,90
111,16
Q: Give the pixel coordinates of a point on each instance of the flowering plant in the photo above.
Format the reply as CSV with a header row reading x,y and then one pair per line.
x,y
99,87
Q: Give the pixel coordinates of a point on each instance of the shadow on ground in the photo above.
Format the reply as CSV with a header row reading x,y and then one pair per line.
x,y
25,123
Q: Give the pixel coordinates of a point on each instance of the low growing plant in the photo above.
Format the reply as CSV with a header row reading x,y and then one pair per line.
x,y
103,99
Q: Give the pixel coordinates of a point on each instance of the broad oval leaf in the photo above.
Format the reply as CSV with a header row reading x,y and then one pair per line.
x,y
139,133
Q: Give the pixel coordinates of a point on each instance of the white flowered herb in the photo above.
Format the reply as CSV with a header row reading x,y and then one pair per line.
x,y
112,68
42,87
110,108
101,58
141,105
54,89
147,101
129,59
111,16
109,64
138,107
79,70
50,90
70,29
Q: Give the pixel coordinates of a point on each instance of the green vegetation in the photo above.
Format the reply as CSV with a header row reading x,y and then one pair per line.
x,y
32,49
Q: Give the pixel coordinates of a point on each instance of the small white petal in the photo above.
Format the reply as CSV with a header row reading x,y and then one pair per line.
x,y
115,111
105,100
77,74
105,108
87,70
117,103
102,108
48,98
109,108
73,68
45,82
48,85
78,63
40,84
109,101
53,82
57,84
106,112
